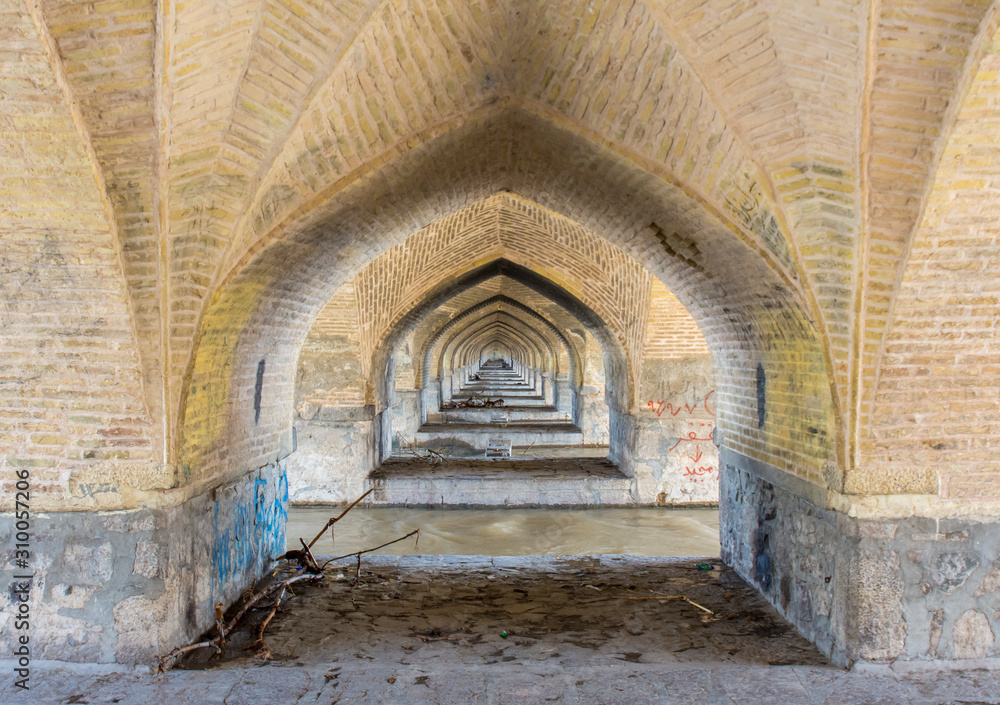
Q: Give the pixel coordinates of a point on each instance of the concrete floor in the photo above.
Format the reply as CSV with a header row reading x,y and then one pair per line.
x,y
432,630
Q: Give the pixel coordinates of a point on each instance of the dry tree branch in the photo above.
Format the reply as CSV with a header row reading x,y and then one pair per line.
x,y
369,550
314,572
339,517
674,597
166,662
264,649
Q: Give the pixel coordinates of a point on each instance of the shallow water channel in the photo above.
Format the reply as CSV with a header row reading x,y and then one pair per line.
x,y
646,531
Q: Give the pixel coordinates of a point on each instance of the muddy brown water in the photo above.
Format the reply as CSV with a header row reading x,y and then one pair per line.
x,y
513,532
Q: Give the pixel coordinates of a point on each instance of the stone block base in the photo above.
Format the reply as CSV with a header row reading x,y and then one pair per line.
x,y
869,590
124,586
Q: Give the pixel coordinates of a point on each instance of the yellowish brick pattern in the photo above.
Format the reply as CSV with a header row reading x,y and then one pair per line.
x,y
336,328
415,64
243,73
821,198
721,146
71,402
553,316
107,55
379,101
727,285
611,68
670,330
785,75
506,324
495,330
602,277
513,314
936,415
922,49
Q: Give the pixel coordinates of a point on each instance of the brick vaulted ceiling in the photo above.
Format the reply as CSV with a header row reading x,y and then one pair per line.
x,y
814,129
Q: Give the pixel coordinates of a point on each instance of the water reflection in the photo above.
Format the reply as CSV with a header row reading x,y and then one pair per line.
x,y
514,532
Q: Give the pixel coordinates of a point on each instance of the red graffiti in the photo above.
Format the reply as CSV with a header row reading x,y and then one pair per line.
x,y
697,474
692,436
658,407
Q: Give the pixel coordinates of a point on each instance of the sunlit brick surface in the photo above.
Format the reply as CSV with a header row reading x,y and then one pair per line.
x,y
189,187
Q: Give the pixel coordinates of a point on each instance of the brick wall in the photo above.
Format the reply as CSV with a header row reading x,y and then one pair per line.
x,y
603,278
936,414
777,185
72,404
738,318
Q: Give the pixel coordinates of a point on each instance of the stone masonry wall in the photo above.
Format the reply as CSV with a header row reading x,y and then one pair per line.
x,y
879,590
677,461
123,586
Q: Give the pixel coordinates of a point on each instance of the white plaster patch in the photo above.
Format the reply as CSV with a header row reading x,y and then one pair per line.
x,y
138,622
86,564
973,636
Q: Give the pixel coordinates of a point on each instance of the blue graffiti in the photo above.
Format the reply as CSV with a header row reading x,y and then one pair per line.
x,y
255,535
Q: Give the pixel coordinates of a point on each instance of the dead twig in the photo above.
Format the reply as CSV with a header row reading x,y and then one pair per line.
x,y
675,597
369,550
166,662
311,565
338,518
264,649
220,627
436,457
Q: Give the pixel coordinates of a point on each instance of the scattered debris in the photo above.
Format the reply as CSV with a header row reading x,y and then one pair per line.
x,y
675,597
165,663
448,637
307,569
472,402
408,448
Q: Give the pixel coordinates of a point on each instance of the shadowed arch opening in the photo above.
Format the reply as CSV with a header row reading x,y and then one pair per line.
x,y
572,358
749,310
536,193
618,394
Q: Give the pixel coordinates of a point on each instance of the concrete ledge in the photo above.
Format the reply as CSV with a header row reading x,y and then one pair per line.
x,y
579,482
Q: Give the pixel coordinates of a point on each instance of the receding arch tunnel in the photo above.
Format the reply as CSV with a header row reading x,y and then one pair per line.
x,y
246,281
747,304
593,241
